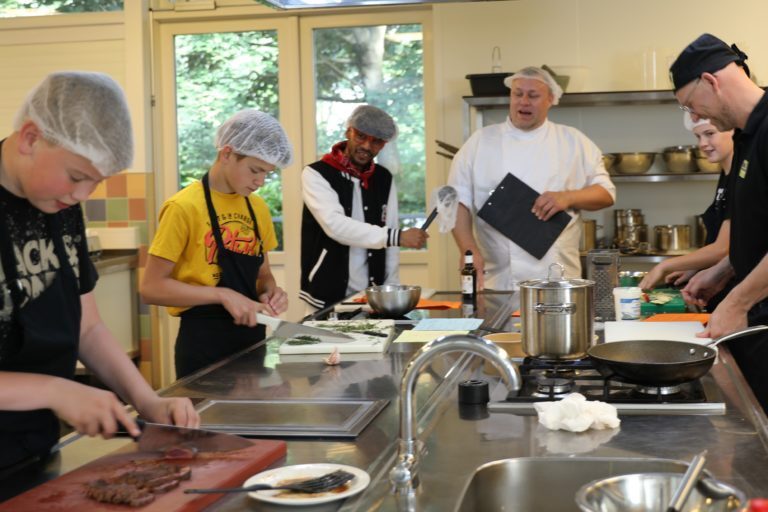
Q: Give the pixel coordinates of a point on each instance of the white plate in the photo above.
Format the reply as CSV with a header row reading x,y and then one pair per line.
x,y
302,471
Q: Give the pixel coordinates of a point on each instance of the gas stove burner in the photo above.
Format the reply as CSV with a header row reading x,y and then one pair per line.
x,y
548,386
658,390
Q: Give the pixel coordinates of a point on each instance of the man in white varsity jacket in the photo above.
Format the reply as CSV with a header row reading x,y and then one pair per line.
x,y
350,237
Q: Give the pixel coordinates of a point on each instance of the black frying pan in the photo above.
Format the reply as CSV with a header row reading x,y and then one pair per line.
x,y
659,362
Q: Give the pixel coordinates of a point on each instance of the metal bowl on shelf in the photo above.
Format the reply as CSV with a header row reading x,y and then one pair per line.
x,y
703,164
651,492
679,159
608,160
633,163
393,300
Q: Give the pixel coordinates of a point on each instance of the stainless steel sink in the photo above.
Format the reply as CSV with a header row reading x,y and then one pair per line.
x,y
547,483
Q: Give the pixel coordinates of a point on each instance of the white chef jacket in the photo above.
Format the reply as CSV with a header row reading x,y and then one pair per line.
x,y
323,203
553,157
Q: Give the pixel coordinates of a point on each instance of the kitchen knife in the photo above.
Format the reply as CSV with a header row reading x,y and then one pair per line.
x,y
157,437
287,330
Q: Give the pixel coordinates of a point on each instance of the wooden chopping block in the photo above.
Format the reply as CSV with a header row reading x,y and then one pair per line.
x,y
213,469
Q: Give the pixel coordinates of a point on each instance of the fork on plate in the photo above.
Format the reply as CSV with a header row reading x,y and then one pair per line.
x,y
314,485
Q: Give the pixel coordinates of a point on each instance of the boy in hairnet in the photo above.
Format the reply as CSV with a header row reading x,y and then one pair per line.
x,y
72,132
209,260
350,235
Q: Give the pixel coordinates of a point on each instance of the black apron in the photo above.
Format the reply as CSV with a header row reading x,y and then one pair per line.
x,y
208,333
29,435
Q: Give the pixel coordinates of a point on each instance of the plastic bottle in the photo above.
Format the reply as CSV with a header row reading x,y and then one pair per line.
x,y
468,279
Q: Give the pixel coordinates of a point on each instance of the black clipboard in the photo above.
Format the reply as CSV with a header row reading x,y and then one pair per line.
x,y
508,210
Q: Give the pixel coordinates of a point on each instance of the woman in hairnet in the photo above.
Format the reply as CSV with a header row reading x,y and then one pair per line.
x,y
208,262
72,132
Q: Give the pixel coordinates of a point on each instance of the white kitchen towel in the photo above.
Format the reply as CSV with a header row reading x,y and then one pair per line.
x,y
576,414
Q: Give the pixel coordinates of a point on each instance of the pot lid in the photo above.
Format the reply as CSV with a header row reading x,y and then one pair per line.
x,y
556,282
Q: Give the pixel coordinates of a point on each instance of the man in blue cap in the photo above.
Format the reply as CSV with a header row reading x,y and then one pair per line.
x,y
712,81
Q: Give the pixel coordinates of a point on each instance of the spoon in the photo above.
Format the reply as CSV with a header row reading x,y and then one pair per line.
x,y
688,482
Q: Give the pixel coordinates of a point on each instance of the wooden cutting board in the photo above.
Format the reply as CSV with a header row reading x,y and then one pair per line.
x,y
215,469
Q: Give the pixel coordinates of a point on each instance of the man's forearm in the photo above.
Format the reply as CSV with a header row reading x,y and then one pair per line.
x,y
590,198
462,230
754,287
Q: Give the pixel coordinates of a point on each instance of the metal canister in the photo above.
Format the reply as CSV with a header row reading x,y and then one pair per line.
x,y
557,316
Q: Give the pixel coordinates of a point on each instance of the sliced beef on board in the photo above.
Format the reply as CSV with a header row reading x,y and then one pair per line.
x,y
137,487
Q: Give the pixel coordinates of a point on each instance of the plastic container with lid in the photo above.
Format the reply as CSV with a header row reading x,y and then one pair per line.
x,y
627,302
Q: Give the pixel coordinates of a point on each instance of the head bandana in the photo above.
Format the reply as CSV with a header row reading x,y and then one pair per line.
x,y
707,54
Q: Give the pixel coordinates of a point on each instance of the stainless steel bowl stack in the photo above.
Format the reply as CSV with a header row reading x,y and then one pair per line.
x,y
651,492
633,163
679,159
393,300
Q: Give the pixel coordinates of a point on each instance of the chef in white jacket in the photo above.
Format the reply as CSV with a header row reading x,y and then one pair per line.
x,y
557,160
350,234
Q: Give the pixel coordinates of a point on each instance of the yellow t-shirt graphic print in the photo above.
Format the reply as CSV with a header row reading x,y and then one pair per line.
x,y
237,238
184,234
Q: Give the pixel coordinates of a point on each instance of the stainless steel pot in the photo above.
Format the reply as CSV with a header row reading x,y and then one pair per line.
x,y
668,238
557,316
589,229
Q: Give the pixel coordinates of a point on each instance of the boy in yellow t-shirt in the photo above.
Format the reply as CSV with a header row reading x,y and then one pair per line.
x,y
209,260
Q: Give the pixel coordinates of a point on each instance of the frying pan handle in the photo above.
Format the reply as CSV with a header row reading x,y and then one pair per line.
x,y
555,309
738,334
429,219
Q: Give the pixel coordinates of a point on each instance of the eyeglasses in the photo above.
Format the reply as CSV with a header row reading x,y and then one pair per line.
x,y
361,138
684,105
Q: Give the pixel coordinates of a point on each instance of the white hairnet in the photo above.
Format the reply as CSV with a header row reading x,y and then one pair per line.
x,y
85,113
253,133
539,74
690,124
373,121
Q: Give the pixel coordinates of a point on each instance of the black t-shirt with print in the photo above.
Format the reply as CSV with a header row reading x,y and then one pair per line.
x,y
36,262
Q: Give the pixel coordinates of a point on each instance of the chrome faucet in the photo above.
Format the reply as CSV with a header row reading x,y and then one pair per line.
x,y
404,472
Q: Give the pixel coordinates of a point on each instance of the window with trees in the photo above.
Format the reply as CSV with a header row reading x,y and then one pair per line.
x,y
12,8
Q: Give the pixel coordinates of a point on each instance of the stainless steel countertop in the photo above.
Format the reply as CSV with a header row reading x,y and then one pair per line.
x,y
737,441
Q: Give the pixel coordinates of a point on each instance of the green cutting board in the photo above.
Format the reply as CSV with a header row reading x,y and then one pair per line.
x,y
676,305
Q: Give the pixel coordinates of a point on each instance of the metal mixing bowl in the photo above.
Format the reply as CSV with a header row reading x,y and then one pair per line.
x,y
633,163
679,159
608,160
393,300
651,492
703,164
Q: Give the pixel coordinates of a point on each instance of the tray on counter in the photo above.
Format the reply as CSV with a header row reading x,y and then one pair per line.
x,y
289,417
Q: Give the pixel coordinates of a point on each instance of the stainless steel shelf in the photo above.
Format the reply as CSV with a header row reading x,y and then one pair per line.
x,y
666,177
579,99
